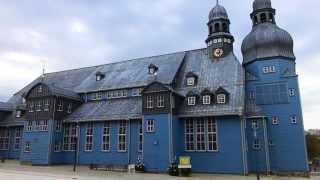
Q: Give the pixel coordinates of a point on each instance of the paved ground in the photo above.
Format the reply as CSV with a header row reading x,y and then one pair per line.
x,y
11,170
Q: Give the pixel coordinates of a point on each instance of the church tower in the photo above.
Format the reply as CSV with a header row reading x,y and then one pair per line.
x,y
275,132
219,41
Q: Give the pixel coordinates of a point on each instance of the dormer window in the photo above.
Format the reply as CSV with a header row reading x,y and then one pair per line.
x,y
192,101
191,79
221,98
206,99
153,69
99,76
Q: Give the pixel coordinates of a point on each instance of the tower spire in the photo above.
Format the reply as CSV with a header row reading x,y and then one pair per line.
x,y
217,2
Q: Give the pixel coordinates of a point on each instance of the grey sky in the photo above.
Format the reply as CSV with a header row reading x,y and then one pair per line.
x,y
69,34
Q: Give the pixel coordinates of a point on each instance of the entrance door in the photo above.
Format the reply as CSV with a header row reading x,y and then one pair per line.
x,y
136,137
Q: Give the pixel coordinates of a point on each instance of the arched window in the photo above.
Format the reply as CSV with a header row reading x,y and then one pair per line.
x,y
263,17
210,29
271,17
225,27
216,27
255,21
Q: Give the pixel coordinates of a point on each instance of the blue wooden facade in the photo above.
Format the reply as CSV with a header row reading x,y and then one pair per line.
x,y
228,117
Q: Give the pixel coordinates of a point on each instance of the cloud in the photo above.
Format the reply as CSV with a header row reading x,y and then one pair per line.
x,y
73,34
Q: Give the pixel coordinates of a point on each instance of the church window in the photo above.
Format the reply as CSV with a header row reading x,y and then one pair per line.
x,y
191,100
89,137
189,135
206,99
256,144
212,135
122,136
293,119
149,102
292,92
210,30
221,98
216,27
275,120
191,81
106,136
160,101
17,141
70,137
225,27
200,135
263,18
150,126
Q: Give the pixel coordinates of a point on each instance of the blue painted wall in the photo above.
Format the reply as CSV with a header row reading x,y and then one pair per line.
x,y
156,144
288,151
228,158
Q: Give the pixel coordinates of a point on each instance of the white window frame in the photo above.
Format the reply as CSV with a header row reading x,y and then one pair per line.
x,y
200,135
27,147
150,126
17,140
160,101
46,105
212,135
275,120
122,136
293,119
292,92
58,127
88,147
221,99
256,145
191,100
29,126
191,81
255,124
98,77
60,106
189,135
105,146
43,125
70,137
4,138
206,99
149,102
38,106
269,69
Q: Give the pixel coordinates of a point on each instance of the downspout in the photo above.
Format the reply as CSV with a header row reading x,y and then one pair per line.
x,y
266,145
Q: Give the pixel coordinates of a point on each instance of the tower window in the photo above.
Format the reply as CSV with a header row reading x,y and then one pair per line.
x,y
269,69
271,17
210,30
293,119
255,124
216,27
292,92
150,126
275,120
263,18
255,21
191,81
225,27
221,98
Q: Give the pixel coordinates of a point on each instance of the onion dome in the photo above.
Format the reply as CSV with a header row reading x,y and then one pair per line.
x,y
266,40
218,12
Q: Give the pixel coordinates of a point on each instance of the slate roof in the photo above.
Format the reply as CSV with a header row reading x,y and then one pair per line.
x,y
117,109
6,107
11,120
226,72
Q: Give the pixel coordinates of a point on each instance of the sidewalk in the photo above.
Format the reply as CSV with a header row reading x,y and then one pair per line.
x,y
12,170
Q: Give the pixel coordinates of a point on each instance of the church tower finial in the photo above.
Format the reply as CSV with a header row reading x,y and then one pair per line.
x,y
219,41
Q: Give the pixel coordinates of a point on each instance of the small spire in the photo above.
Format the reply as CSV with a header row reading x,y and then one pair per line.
x,y
217,2
43,70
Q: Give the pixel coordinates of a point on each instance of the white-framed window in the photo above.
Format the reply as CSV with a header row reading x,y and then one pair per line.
x,y
18,114
149,102
57,146
200,135
256,144
43,126
122,136
106,136
69,110
293,119
98,77
46,105
31,107
58,125
37,127
97,96
17,141
269,69
206,99
191,100
160,101
27,147
275,120
140,148
150,126
89,137
29,126
189,135
252,95
221,98
136,91
212,135
4,138
60,105
191,81
38,106
70,137
255,124
292,92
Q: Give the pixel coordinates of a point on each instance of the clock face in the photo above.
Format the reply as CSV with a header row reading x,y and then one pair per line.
x,y
218,52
